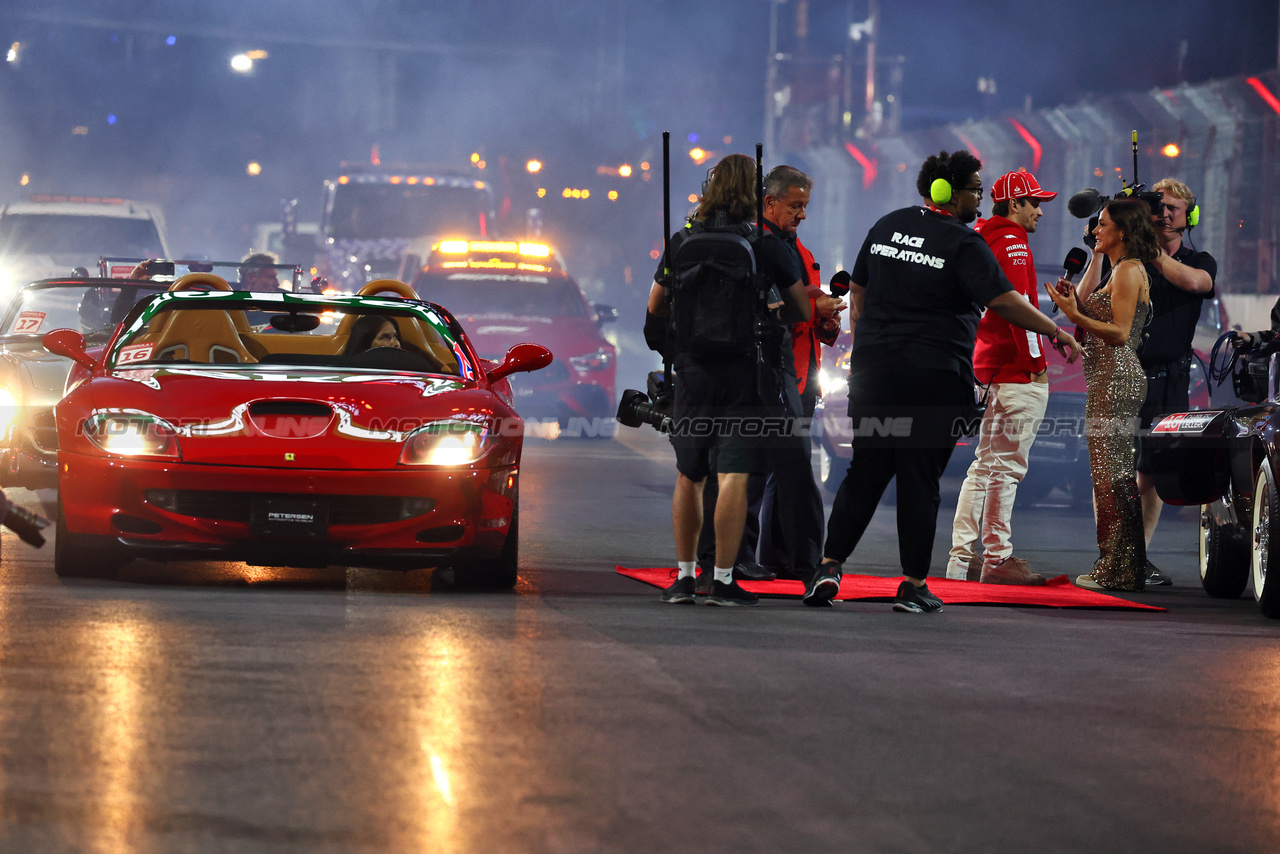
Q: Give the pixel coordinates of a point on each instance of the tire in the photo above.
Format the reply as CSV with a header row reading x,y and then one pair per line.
x,y
502,572
81,556
1265,564
1224,557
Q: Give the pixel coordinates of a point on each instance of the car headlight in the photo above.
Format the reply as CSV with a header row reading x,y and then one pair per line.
x,y
597,361
832,382
132,434
446,443
9,407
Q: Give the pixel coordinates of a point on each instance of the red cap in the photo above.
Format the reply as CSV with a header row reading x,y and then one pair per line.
x,y
1018,185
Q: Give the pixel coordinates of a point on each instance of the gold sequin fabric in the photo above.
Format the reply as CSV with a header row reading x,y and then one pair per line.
x,y
1116,388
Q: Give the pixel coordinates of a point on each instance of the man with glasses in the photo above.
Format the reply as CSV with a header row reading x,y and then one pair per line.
x,y
1181,280
918,288
1010,363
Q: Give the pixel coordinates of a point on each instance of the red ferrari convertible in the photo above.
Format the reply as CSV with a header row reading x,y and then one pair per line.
x,y
289,430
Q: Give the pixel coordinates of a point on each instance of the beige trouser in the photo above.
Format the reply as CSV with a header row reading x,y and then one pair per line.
x,y
985,505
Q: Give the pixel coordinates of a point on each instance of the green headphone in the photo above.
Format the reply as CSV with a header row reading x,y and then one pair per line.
x,y
1193,213
940,189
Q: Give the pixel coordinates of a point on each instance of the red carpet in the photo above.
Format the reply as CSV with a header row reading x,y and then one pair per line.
x,y
1058,593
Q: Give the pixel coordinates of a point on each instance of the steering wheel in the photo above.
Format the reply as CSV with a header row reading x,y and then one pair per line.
x,y
380,286
200,282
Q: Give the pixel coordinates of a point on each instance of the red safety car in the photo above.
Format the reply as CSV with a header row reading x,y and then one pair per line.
x,y
510,291
196,435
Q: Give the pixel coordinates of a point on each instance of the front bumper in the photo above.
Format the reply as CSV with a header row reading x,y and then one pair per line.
x,y
29,457
174,510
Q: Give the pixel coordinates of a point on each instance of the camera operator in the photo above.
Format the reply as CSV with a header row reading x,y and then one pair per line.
x,y
1181,280
718,399
783,533
918,287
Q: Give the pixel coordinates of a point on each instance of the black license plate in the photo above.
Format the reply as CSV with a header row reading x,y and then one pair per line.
x,y
289,518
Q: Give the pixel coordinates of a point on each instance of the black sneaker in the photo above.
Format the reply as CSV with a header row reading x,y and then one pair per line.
x,y
753,572
703,587
1156,577
680,593
916,600
730,594
824,586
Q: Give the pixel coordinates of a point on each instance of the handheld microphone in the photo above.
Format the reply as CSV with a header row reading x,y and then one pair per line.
x,y
1074,263
1071,267
1085,203
839,285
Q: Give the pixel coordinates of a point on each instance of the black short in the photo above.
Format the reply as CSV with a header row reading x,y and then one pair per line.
x,y
718,422
1168,390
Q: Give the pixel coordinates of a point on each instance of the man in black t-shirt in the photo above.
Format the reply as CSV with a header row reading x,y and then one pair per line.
x,y
1181,280
715,397
919,284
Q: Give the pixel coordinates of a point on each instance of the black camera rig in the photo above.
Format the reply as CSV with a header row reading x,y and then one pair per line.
x,y
1088,203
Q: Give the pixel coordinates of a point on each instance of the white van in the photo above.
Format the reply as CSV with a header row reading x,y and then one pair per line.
x,y
52,235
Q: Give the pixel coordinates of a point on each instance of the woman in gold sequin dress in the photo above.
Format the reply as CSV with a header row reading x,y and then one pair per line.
x,y
1112,318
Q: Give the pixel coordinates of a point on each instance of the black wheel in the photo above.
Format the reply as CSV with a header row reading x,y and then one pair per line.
x,y
502,572
81,556
1266,541
1224,557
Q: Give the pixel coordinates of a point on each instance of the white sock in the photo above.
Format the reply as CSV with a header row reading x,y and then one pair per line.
x,y
724,576
688,568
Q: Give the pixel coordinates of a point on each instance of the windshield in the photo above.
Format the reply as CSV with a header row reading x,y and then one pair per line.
x,y
379,211
63,234
482,294
379,335
92,311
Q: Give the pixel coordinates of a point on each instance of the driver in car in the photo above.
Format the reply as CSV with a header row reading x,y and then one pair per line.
x,y
371,331
256,274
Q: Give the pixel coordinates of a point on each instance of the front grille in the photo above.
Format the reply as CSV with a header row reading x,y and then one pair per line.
x,y
236,506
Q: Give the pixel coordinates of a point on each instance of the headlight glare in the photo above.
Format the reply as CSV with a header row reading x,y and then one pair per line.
x,y
446,443
132,434
597,361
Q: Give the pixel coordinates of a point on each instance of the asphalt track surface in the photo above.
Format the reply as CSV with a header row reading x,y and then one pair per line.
x,y
217,707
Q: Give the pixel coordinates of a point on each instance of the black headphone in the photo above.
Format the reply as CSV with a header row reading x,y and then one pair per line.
x,y
943,181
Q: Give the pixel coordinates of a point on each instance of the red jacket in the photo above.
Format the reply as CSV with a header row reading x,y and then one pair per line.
x,y
1003,353
805,336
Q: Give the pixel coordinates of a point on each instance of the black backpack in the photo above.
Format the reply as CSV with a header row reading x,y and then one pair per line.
x,y
716,293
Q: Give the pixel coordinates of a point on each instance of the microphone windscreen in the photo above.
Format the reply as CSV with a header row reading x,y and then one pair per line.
x,y
1075,261
839,285
1085,203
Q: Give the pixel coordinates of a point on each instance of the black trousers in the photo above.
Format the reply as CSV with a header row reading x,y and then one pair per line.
x,y
791,513
905,427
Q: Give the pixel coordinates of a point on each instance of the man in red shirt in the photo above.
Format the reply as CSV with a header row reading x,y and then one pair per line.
x,y
1011,363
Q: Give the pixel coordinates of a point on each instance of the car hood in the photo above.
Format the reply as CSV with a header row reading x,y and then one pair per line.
x,y
292,419
38,377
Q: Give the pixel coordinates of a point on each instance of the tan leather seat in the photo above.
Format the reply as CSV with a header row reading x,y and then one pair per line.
x,y
207,336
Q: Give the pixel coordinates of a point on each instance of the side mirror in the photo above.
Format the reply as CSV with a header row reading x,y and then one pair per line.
x,y
69,343
520,358
604,313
